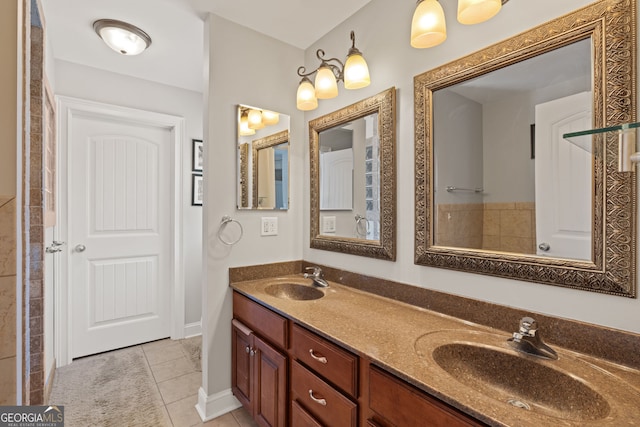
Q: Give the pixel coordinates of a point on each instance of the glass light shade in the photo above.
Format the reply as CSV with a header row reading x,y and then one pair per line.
x,y
243,128
122,37
255,119
306,97
428,27
326,84
476,11
270,117
356,72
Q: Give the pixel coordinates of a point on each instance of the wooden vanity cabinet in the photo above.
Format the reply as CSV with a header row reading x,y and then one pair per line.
x,y
324,381
286,375
394,402
259,377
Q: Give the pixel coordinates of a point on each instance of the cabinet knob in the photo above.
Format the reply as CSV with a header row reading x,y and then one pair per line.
x,y
252,352
247,349
322,402
320,359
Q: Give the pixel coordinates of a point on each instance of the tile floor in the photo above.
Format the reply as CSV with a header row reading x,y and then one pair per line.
x,y
178,381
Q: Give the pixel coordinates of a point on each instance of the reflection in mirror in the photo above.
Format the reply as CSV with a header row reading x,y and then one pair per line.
x,y
349,179
263,159
507,181
271,171
353,178
498,190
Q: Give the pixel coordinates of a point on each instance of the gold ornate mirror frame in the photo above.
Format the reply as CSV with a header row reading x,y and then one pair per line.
x,y
384,104
611,25
244,174
259,144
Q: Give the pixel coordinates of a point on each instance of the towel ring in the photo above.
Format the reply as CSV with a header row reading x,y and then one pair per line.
x,y
359,220
226,220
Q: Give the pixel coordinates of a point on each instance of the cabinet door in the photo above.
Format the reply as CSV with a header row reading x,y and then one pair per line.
x,y
270,381
241,351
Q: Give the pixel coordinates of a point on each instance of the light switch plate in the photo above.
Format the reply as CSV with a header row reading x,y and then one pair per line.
x,y
269,226
328,224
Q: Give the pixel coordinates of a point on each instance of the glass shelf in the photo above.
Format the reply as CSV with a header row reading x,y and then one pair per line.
x,y
587,139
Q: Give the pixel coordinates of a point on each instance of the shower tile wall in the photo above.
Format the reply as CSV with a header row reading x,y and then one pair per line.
x,y
508,227
7,300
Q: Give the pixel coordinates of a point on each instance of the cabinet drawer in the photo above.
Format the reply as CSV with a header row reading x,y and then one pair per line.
x,y
401,404
265,322
301,418
336,365
323,402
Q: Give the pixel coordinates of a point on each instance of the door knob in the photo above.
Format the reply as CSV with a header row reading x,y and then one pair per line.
x,y
80,248
544,246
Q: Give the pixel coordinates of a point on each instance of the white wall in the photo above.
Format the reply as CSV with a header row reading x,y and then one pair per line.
x,y
98,85
382,34
245,67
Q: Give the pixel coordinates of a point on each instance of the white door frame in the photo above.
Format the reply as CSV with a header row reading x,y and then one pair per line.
x,y
68,109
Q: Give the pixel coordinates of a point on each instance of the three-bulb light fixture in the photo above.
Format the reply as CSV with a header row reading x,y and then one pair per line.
x,y
428,27
354,73
252,119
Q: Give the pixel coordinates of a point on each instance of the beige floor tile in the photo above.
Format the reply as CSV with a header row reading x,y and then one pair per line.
x,y
180,387
183,412
172,369
158,343
244,418
160,353
226,420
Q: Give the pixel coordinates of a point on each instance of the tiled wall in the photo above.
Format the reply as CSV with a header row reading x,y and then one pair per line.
x,y
33,255
460,225
7,300
508,227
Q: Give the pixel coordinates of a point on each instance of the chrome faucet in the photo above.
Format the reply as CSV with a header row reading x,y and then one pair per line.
x,y
317,276
527,340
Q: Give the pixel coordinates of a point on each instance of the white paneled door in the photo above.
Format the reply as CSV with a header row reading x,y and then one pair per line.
x,y
119,233
564,179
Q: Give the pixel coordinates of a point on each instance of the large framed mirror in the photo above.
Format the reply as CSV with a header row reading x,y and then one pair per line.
x,y
263,159
499,191
353,178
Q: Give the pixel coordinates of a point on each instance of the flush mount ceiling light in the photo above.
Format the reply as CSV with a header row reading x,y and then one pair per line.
x,y
122,37
428,27
354,73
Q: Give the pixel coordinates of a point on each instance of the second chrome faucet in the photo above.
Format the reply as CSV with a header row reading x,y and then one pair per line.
x,y
527,340
317,276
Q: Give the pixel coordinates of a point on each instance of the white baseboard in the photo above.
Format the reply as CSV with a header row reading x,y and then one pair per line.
x,y
192,329
210,407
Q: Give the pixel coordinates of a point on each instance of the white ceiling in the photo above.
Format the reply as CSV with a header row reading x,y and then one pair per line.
x,y
176,28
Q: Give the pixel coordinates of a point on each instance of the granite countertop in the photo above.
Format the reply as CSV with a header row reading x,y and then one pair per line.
x,y
400,338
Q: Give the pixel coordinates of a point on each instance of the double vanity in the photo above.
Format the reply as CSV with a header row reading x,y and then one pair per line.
x,y
305,355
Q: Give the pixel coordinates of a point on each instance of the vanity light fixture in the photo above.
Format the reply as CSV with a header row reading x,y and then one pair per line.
x,y
243,125
354,73
253,119
121,36
428,26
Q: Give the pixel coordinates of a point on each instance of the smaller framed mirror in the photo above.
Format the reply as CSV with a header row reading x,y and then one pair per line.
x,y
353,178
263,159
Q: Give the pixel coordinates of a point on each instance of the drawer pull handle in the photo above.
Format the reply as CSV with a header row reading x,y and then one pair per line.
x,y
322,402
320,359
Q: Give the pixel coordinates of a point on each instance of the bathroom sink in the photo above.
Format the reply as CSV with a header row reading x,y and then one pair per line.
x,y
489,372
520,381
294,291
